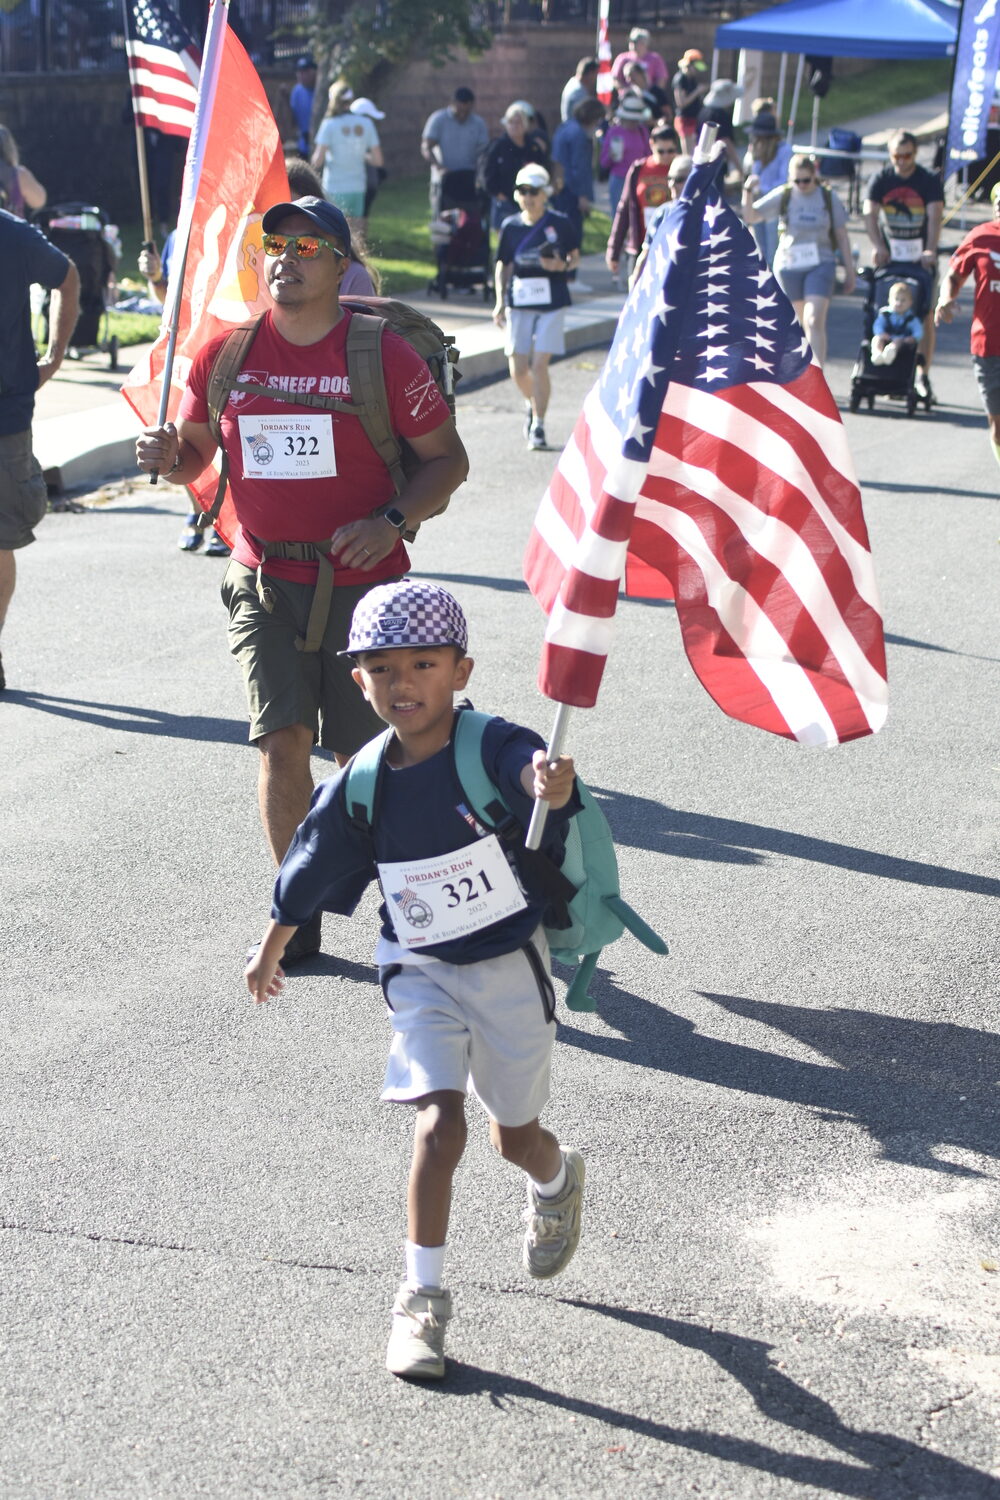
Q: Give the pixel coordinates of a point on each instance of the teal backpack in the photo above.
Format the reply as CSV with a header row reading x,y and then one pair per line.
x,y
590,912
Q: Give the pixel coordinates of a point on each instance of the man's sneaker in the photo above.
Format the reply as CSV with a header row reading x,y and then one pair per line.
x,y
922,385
190,538
536,437
416,1343
529,417
217,546
554,1223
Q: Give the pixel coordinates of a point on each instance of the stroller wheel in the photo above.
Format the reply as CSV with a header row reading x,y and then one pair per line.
x,y
855,400
911,403
871,403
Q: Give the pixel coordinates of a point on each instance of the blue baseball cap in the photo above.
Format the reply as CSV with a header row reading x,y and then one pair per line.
x,y
408,613
326,216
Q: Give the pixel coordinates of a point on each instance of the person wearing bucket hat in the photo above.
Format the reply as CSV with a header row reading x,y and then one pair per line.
x,y
319,520
690,85
625,141
461,952
978,256
765,166
536,250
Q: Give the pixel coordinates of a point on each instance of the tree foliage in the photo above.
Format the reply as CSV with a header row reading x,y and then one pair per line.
x,y
363,40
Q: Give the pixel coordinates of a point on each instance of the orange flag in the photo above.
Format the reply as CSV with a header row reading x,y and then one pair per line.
x,y
241,173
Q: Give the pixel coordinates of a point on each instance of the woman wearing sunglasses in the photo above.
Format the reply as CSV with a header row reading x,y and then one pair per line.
x,y
812,233
537,248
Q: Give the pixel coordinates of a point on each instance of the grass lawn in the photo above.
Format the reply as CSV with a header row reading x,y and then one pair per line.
x,y
885,85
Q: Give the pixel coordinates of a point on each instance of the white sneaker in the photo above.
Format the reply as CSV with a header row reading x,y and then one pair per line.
x,y
416,1343
878,356
889,354
582,286
554,1223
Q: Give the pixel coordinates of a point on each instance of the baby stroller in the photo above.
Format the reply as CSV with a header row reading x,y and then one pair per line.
x,y
82,231
898,380
460,233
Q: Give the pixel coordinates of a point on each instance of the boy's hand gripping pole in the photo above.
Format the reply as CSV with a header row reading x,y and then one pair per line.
x,y
540,810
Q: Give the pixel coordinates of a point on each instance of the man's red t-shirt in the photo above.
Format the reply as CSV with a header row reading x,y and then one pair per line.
x,y
652,187
979,256
353,480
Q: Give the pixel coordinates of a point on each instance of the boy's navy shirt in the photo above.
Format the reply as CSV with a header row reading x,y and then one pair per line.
x,y
329,864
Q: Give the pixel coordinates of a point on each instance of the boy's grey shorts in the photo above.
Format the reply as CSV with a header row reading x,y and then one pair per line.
x,y
488,1027
987,368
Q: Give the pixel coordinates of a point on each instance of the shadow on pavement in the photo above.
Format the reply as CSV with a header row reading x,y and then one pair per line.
x,y
885,1467
644,824
905,640
927,489
913,1086
134,720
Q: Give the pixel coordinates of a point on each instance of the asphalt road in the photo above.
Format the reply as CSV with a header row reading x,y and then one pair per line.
x,y
787,1284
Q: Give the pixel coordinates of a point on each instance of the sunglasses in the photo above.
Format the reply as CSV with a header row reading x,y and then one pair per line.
x,y
665,148
304,246
803,181
902,155
528,192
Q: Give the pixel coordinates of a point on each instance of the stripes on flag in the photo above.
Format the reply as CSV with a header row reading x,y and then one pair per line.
x,y
164,64
710,464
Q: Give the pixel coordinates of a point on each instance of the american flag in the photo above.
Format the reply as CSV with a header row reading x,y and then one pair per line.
x,y
605,82
710,463
163,65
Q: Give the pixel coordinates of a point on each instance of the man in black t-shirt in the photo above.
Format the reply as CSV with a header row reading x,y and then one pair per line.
x,y
27,257
904,206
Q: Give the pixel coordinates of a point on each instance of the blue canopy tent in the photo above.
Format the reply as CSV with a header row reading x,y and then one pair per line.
x,y
898,29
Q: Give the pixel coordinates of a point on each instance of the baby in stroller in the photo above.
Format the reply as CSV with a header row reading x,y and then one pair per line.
x,y
896,327
888,360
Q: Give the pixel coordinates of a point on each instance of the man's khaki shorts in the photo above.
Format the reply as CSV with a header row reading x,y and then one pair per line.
x,y
286,686
23,496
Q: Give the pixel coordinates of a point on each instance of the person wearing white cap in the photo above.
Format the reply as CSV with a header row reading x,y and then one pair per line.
x,y
537,248
375,175
626,140
462,956
346,145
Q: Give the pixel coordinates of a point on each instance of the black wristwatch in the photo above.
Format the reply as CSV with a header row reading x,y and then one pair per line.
x,y
396,518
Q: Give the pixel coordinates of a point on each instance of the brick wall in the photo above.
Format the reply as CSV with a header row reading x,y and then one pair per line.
x,y
71,133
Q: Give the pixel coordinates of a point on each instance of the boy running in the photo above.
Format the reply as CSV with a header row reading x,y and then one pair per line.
x,y
463,963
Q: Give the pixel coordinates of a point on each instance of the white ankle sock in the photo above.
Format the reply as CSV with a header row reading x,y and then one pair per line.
x,y
554,1188
424,1264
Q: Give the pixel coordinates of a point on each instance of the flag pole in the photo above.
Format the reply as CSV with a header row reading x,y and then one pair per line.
x,y
208,79
140,152
540,811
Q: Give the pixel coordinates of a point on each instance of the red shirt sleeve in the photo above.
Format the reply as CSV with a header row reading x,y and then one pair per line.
x,y
416,406
194,402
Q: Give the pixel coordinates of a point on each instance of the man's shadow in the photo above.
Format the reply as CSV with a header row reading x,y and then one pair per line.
x,y
876,1465
134,720
913,1086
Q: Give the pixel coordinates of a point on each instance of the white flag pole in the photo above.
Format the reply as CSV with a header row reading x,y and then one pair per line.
x,y
540,811
215,36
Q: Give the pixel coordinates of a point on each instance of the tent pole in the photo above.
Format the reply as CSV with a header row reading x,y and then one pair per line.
x,y
715,63
815,124
795,98
782,76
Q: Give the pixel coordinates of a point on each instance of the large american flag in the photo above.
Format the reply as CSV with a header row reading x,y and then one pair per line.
x,y
163,64
710,463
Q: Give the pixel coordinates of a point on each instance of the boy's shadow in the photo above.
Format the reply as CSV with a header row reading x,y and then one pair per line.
x,y
885,1467
901,1080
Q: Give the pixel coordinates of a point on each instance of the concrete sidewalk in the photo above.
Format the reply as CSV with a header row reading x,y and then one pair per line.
x,y
84,430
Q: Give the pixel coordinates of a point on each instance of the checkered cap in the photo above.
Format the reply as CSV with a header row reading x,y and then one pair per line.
x,y
408,613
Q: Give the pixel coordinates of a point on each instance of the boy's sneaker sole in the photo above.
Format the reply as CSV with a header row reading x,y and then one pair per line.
x,y
416,1343
553,1231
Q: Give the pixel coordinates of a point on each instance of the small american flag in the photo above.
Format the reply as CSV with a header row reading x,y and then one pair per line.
x,y
710,463
163,64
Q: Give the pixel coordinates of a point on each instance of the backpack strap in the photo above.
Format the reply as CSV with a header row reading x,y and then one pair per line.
x,y
783,203
362,783
828,200
223,377
367,377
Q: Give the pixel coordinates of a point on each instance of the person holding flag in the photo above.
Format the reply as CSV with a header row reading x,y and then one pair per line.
x,y
312,499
